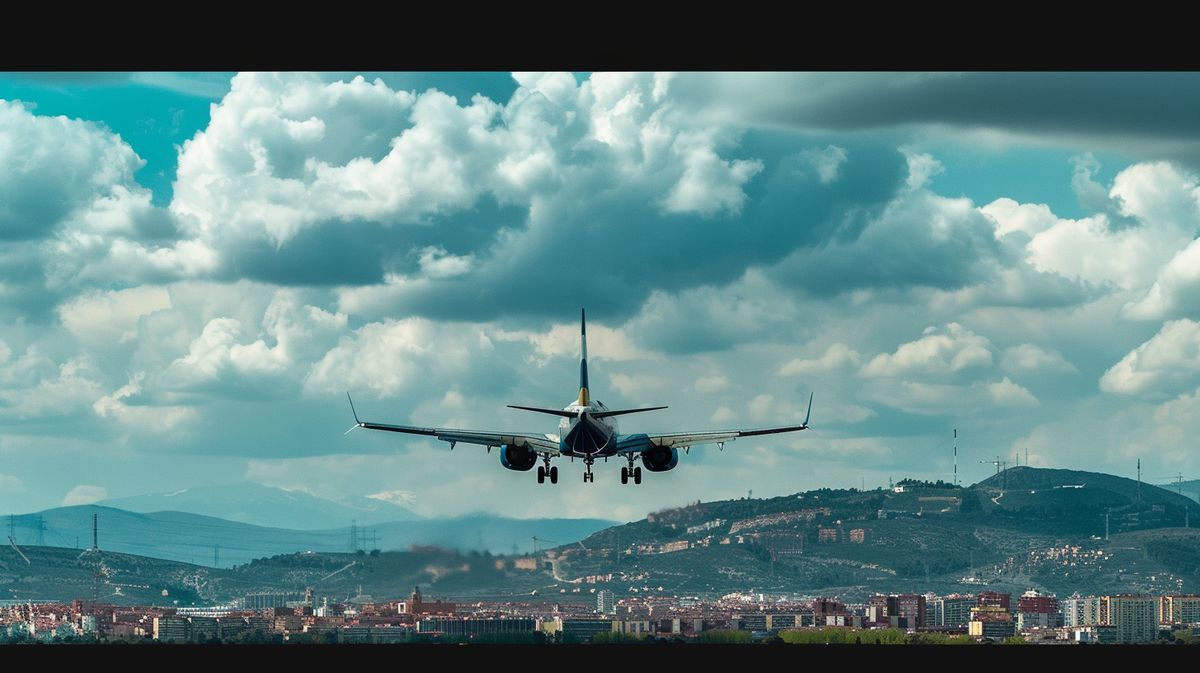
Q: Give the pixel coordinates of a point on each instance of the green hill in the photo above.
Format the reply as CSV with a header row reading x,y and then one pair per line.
x,y
1027,528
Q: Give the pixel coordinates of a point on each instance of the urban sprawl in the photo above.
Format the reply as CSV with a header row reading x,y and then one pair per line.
x,y
989,616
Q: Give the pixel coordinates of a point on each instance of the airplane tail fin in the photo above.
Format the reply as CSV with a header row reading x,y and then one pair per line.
x,y
583,375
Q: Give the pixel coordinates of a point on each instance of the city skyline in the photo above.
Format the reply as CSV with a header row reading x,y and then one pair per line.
x,y
198,266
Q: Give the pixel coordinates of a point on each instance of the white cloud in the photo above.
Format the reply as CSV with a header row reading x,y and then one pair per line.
x,y
921,168
1030,357
289,153
1010,216
762,407
825,162
769,409
84,494
10,484
217,352
396,497
1167,361
941,399
1159,193
709,183
837,356
147,418
43,390
723,416
604,343
1161,200
939,351
54,165
710,384
1005,393
397,356
437,263
632,385
112,316
1176,290
220,354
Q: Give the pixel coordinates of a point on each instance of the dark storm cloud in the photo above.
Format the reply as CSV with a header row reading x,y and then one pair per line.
x,y
608,246
1157,105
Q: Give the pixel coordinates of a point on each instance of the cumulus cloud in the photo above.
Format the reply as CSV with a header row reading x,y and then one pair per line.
x,y
715,318
1162,202
84,494
112,316
710,384
290,161
1176,290
221,354
826,161
919,239
837,356
1168,361
73,214
1030,357
1010,216
147,418
42,390
53,166
437,263
635,384
921,168
943,399
562,341
709,184
939,351
217,351
398,356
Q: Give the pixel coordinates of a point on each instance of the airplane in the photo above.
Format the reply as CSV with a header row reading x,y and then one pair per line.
x,y
587,430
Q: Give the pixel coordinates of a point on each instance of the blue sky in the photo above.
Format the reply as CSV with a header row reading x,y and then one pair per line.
x,y
195,266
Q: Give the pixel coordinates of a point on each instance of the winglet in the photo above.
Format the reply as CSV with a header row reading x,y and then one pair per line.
x,y
358,422
810,398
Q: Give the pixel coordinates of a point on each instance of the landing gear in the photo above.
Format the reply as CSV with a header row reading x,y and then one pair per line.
x,y
588,475
547,472
631,472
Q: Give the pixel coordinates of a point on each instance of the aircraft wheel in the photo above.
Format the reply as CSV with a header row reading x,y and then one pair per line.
x,y
554,474
637,475
541,474
624,475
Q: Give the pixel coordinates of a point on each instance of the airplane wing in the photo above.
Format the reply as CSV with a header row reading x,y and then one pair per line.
x,y
543,444
681,440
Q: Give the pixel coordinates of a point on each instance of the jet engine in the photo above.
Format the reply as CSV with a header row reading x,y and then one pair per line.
x,y
517,457
660,458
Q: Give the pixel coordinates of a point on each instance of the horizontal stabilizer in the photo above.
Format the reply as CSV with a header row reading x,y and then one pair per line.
x,y
540,410
621,412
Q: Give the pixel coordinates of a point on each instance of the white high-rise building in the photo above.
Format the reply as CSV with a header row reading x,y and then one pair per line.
x,y
604,602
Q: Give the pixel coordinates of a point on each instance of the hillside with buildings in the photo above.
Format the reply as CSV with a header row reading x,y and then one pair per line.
x,y
1026,528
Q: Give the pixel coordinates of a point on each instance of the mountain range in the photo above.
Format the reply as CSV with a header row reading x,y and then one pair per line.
x,y
248,502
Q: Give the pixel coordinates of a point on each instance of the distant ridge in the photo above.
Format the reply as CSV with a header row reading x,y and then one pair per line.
x,y
248,502
199,539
